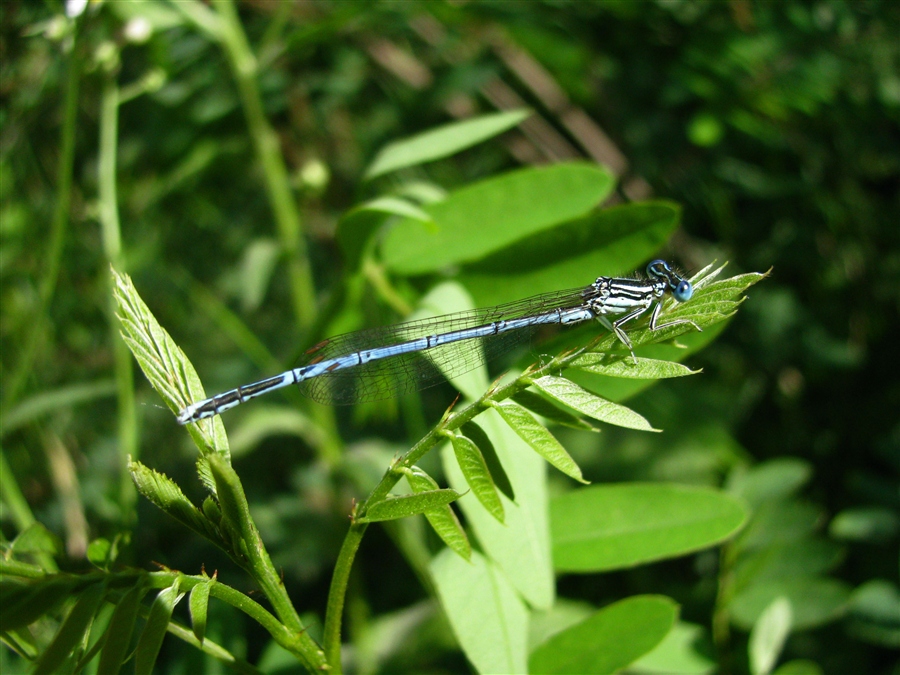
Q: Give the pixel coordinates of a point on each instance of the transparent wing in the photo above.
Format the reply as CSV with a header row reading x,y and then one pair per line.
x,y
404,373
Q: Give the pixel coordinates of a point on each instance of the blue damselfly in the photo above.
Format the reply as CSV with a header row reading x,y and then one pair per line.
x,y
378,363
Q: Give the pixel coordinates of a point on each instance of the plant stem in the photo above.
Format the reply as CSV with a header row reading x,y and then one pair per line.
x,y
265,140
112,247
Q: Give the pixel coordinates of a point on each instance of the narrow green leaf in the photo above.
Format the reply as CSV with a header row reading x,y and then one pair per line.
x,y
118,634
477,435
520,545
507,209
580,399
46,402
771,481
443,520
608,641
488,617
618,526
768,636
541,406
164,364
166,495
198,604
403,506
356,228
443,141
620,366
472,464
36,539
71,634
538,437
155,629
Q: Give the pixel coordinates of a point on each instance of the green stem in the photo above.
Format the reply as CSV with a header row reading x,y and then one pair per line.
x,y
265,140
112,246
337,594
236,510
58,230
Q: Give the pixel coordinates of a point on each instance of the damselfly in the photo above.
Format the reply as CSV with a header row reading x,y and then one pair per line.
x,y
378,363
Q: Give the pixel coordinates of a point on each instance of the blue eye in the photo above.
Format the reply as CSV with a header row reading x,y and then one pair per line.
x,y
683,291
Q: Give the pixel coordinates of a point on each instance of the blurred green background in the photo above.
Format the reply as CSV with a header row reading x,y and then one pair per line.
x,y
774,125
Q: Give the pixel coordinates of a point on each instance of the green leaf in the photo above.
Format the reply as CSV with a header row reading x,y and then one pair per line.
x,y
476,434
356,227
553,413
442,142
874,614
618,526
164,364
538,437
488,617
799,667
36,539
506,209
166,495
396,507
118,634
46,402
609,640
473,467
198,604
155,629
815,601
71,634
572,253
520,545
443,520
770,481
617,366
570,394
768,636
873,525
685,649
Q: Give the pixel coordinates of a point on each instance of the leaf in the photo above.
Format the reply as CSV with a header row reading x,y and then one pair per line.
x,y
609,640
815,601
768,636
874,613
501,479
770,481
442,142
443,520
35,407
618,526
686,649
572,252
119,631
579,399
541,406
356,227
538,437
492,214
617,366
473,467
489,619
155,629
198,604
71,634
396,507
166,495
520,545
164,364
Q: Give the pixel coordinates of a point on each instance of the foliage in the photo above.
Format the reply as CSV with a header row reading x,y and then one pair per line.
x,y
260,181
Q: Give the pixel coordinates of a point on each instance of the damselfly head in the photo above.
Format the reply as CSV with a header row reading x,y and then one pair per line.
x,y
681,288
